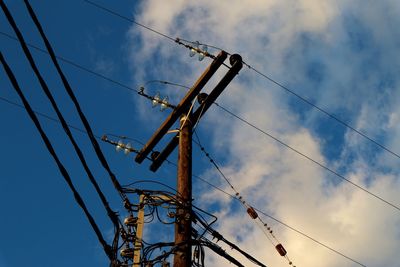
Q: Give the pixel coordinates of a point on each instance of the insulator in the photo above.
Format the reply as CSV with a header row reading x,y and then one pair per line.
x,y
164,104
128,237
203,53
234,58
119,146
130,221
127,252
253,214
156,100
127,149
281,250
195,48
201,98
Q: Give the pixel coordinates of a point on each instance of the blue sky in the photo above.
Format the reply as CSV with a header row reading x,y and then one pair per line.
x,y
341,56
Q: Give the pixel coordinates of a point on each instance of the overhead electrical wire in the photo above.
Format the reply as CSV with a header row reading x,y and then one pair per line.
x,y
107,248
219,237
41,114
325,112
71,94
110,212
309,158
198,178
128,19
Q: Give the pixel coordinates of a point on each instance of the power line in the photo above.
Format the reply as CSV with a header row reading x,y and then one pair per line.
x,y
129,19
198,178
40,114
307,157
72,96
112,215
90,71
179,41
330,115
63,171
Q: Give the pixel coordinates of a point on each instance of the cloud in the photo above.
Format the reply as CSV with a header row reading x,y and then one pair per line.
x,y
342,56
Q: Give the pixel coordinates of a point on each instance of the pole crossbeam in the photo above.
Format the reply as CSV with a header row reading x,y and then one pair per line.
x,y
237,64
181,107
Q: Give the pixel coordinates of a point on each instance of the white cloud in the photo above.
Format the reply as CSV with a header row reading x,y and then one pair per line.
x,y
341,55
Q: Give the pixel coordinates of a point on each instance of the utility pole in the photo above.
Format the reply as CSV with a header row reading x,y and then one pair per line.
x,y
183,226
183,139
139,233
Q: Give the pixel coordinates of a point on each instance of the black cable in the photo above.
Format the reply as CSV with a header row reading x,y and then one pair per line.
x,y
40,114
309,158
323,111
63,171
219,237
99,75
71,94
112,215
65,60
151,181
309,237
218,250
128,19
213,162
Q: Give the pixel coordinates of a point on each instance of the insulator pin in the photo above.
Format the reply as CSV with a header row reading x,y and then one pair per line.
x,y
253,214
281,250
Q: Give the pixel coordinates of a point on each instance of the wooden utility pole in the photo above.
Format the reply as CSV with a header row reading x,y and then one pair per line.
x,y
183,226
